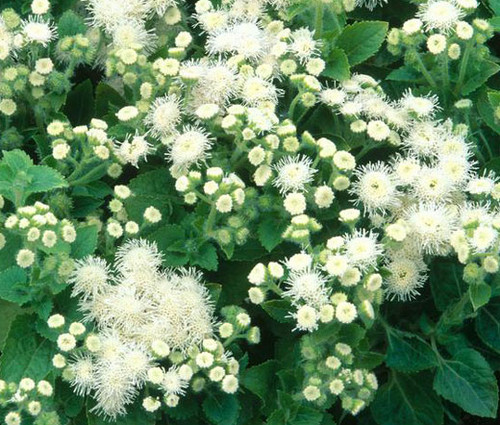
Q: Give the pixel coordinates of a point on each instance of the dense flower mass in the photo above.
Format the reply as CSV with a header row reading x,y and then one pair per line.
x,y
175,173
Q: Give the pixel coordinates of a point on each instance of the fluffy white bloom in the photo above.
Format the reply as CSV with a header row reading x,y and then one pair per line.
x,y
431,226
163,116
307,286
375,187
362,249
406,277
37,30
346,312
242,38
440,15
293,173
307,318
133,149
189,148
303,45
89,278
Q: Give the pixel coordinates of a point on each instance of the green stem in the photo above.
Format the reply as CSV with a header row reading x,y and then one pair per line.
x,y
463,67
427,75
210,220
318,24
294,103
97,171
446,76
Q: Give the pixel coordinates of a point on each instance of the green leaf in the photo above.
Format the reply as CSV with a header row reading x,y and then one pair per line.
x,y
405,73
13,244
70,24
408,352
362,40
13,286
165,237
487,112
479,75
337,66
79,106
279,310
446,282
221,408
270,230
479,294
153,188
19,178
205,257
408,400
495,6
306,416
467,380
261,380
9,312
488,324
105,97
85,242
25,353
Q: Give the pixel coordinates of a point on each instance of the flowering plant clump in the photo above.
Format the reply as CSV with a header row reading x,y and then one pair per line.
x,y
247,212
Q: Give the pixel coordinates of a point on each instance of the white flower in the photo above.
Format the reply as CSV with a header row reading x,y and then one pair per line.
x,y
127,113
230,384
295,203
412,26
55,321
323,196
44,388
66,342
303,45
378,130
299,262
242,38
344,160
189,148
439,14
336,265
37,30
163,116
307,318
333,97
256,295
345,312
406,277
375,187
257,275
308,286
132,33
311,393
431,226
256,90
89,278
436,43
152,214
25,258
224,204
483,238
151,404
173,383
293,173
204,359
423,106
132,149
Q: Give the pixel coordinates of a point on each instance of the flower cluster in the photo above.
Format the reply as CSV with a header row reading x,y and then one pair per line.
x,y
136,316
40,230
27,399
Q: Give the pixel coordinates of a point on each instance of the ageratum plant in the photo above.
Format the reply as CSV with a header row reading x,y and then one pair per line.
x,y
247,212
